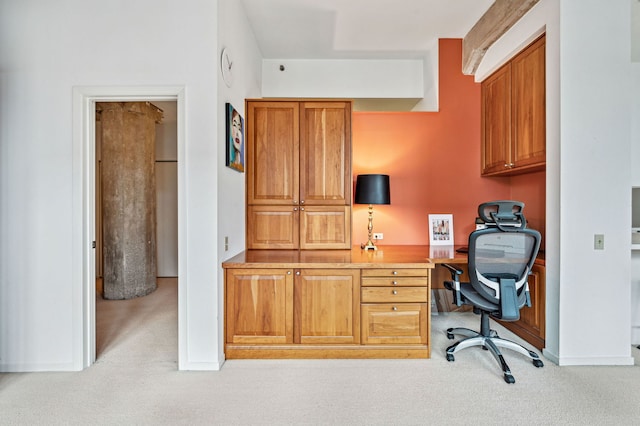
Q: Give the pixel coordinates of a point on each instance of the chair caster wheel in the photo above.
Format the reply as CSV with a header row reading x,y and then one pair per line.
x,y
537,363
509,378
450,358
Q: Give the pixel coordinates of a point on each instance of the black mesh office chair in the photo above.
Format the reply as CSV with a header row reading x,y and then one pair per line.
x,y
500,261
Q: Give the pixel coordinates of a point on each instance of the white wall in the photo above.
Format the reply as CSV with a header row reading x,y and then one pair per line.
x,y
377,85
47,48
235,34
635,181
588,173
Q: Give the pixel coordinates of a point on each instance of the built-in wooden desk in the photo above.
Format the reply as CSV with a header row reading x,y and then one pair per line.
x,y
337,303
328,303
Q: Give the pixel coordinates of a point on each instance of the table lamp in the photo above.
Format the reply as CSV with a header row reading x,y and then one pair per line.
x,y
372,189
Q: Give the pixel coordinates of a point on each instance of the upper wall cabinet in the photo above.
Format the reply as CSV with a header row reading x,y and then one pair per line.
x,y
513,115
298,174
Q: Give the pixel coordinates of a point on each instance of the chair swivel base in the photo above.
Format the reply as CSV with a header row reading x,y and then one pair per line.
x,y
491,342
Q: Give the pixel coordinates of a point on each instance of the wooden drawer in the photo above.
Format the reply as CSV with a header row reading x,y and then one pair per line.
x,y
390,272
393,294
394,324
395,281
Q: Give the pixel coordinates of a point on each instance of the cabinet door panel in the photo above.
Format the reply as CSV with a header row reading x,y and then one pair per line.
x,y
273,153
272,227
325,153
327,306
528,86
496,121
325,227
259,306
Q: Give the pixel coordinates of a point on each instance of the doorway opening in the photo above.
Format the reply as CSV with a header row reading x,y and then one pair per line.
x,y
148,326
84,104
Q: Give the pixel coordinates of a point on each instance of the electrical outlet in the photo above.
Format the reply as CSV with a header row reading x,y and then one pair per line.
x,y
598,242
226,243
378,236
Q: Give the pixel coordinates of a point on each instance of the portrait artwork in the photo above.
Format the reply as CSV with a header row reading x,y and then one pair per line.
x,y
235,139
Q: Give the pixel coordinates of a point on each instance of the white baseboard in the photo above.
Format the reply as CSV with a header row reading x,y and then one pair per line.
x,y
605,361
201,366
36,368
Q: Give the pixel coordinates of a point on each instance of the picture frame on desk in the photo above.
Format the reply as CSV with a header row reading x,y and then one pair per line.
x,y
441,229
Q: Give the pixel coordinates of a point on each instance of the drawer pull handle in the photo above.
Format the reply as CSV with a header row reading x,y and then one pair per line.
x,y
394,282
394,292
394,308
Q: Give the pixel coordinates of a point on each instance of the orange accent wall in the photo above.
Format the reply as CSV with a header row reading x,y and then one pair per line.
x,y
432,158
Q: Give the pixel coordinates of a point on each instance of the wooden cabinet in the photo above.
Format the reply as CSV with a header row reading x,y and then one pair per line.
x,y
328,303
298,174
531,325
326,306
292,306
496,121
395,306
259,306
513,115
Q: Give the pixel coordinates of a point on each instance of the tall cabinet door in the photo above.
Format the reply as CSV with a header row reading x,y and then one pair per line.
x,y
528,109
259,306
496,121
326,306
325,153
273,138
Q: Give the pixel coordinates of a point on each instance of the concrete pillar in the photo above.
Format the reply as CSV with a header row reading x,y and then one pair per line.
x,y
128,198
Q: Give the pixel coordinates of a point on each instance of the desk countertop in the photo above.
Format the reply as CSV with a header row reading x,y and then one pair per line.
x,y
415,256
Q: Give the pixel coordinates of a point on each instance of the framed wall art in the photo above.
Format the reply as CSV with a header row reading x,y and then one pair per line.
x,y
235,139
440,229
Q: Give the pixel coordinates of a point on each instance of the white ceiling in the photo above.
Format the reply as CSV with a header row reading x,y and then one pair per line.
x,y
358,29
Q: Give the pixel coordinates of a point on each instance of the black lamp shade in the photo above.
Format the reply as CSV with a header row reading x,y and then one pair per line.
x,y
372,189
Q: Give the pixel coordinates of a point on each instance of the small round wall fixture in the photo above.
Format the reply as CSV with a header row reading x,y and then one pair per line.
x,y
226,66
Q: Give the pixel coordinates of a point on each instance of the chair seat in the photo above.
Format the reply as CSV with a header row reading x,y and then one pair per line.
x,y
471,297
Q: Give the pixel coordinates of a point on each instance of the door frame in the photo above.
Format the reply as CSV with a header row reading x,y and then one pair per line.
x,y
84,211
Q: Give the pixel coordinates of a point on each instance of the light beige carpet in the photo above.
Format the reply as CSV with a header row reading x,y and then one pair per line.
x,y
135,381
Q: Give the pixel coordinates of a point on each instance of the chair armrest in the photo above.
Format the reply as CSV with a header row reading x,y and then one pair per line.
x,y
455,272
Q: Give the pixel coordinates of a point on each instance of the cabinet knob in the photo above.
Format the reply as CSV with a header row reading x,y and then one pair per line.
x,y
394,282
301,209
394,292
301,201
394,308
297,272
295,201
395,272
295,209
288,272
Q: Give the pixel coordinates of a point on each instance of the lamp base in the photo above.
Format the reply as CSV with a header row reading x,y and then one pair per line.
x,y
368,246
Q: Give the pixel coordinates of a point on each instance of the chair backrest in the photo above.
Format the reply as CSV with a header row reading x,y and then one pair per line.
x,y
501,256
